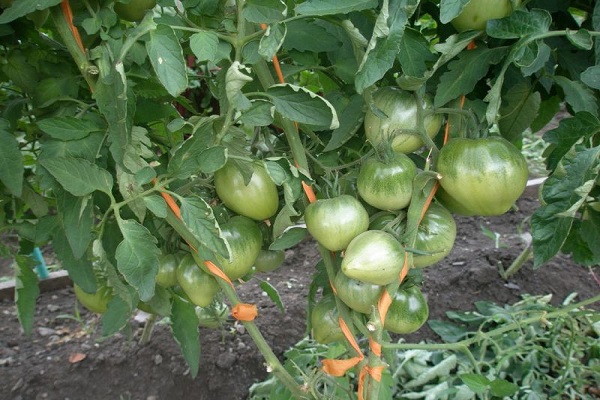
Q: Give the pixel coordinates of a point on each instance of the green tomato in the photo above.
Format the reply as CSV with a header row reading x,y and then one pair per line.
x,y
335,222
408,311
375,257
258,199
476,13
357,295
95,302
245,241
214,316
167,267
199,286
400,108
269,260
453,205
387,185
134,10
485,176
325,321
436,235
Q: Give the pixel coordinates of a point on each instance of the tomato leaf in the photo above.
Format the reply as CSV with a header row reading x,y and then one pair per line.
x,y
235,80
11,163
78,176
184,161
212,159
465,72
272,40
583,239
449,332
80,269
303,106
520,24
198,217
533,57
204,45
329,7
184,323
265,11
157,205
117,315
563,194
477,383
580,97
581,39
260,114
351,119
137,257
166,56
288,238
385,42
548,109
449,9
591,77
273,294
68,128
502,388
414,53
21,8
519,109
26,291
76,214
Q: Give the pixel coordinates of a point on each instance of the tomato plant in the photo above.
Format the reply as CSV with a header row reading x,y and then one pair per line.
x,y
335,222
245,241
485,176
408,312
387,185
476,13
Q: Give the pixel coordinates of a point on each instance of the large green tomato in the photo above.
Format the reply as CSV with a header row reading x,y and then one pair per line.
x,y
325,322
199,286
134,10
167,267
476,13
258,199
245,240
408,311
400,122
387,185
269,260
374,257
485,176
436,235
95,302
335,222
357,295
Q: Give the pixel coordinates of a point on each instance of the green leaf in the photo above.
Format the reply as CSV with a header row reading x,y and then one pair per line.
x,y
385,42
156,205
204,45
330,7
265,11
185,161
260,114
11,163
569,131
519,109
68,128
351,119
303,106
520,24
502,388
161,301
477,383
77,219
580,97
465,72
288,238
131,190
310,36
78,176
414,53
166,56
582,242
184,323
548,109
198,217
591,77
80,269
137,257
272,40
21,8
26,291
116,317
562,194
212,159
449,332
449,9
533,57
581,39
273,294
235,80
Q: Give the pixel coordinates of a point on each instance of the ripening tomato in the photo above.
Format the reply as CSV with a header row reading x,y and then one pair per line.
x,y
485,176
408,311
134,10
269,260
199,286
245,240
375,257
476,13
335,222
258,199
357,295
95,302
399,124
436,235
387,185
325,321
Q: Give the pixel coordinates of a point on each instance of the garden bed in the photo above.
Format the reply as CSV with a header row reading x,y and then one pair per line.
x,y
65,358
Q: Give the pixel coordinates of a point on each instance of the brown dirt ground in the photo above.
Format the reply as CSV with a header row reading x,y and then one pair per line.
x,y
38,367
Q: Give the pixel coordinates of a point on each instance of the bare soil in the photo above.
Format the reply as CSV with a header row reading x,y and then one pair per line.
x,y
46,366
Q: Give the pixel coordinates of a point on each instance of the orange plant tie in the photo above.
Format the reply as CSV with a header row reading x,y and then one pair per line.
x,y
244,312
66,7
338,368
